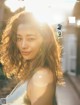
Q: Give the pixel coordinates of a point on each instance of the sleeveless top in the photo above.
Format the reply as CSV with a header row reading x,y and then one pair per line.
x,y
17,96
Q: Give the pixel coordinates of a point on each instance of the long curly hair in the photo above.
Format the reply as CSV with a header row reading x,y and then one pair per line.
x,y
49,56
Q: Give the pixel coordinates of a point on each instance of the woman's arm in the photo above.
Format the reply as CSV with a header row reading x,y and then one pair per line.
x,y
41,88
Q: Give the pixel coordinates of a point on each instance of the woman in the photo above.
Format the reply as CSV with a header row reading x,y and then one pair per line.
x,y
31,52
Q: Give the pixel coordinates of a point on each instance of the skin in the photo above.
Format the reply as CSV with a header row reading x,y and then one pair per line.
x,y
29,41
40,87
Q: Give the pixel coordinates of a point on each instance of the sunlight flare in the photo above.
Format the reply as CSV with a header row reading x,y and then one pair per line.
x,y
50,11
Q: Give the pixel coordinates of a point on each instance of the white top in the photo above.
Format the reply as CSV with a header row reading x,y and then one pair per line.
x,y
16,97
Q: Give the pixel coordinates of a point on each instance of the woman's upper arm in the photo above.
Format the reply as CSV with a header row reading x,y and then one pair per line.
x,y
41,88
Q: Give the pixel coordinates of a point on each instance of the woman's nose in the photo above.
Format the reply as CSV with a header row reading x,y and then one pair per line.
x,y
24,44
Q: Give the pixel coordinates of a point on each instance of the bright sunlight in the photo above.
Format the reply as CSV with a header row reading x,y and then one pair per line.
x,y
49,11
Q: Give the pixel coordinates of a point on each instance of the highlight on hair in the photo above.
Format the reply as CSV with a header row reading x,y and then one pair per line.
x,y
48,57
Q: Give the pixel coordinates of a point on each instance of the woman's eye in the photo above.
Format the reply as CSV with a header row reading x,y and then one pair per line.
x,y
19,39
31,39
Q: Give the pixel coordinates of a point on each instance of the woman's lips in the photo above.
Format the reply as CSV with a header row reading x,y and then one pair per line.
x,y
25,53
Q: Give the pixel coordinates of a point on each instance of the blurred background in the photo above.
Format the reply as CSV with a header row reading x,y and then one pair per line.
x,y
64,15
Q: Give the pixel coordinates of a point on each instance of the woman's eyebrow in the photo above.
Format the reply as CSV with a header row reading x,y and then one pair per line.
x,y
30,34
18,35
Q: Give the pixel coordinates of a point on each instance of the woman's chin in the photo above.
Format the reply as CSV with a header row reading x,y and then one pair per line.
x,y
26,58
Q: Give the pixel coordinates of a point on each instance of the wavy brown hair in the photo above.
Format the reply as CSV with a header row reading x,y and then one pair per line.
x,y
49,56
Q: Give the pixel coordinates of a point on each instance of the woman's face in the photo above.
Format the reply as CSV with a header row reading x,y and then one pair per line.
x,y
29,41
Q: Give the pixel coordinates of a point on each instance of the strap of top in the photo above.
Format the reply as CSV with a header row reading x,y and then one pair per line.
x,y
18,91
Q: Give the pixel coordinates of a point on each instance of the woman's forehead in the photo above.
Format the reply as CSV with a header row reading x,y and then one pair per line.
x,y
26,29
25,26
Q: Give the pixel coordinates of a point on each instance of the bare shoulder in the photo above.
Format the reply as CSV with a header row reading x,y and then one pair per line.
x,y
41,87
42,77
